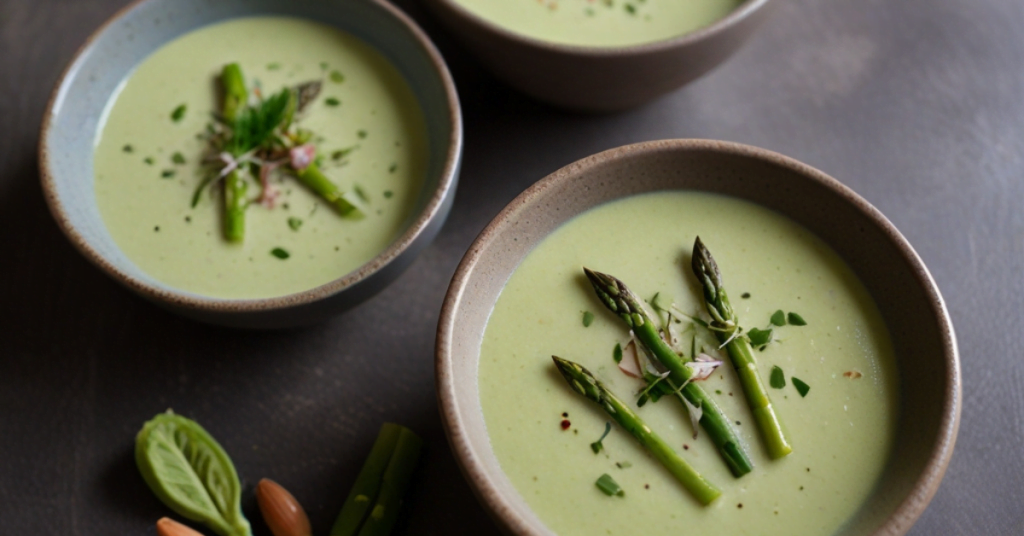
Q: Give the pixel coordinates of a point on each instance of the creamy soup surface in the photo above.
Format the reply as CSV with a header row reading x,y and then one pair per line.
x,y
842,431
371,136
601,23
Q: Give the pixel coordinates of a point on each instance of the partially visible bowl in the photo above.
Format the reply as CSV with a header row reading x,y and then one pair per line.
x,y
600,79
109,55
910,304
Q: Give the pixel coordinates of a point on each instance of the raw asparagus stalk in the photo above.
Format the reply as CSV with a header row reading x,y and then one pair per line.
x,y
584,383
315,180
621,301
235,97
394,484
725,324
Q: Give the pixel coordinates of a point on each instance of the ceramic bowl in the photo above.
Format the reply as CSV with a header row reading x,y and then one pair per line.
x,y
73,115
605,79
908,299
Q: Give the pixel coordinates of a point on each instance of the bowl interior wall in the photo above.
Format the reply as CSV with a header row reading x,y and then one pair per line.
x,y
894,277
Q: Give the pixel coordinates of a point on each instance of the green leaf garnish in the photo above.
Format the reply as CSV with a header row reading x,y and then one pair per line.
x,y
778,378
273,66
294,223
597,446
388,194
361,193
149,160
655,304
779,318
337,77
167,174
342,153
128,148
796,319
362,134
631,9
189,472
280,253
332,101
588,319
617,353
623,464
393,168
179,113
178,158
253,125
609,486
801,387
759,337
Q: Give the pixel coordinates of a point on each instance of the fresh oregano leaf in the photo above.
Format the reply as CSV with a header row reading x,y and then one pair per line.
x,y
779,318
796,319
759,337
801,387
189,472
588,319
617,353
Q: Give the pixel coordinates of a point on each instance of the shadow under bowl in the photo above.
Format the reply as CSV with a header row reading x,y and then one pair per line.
x,y
907,297
107,58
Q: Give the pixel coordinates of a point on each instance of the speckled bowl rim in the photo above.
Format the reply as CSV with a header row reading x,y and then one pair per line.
x,y
470,462
189,301
744,10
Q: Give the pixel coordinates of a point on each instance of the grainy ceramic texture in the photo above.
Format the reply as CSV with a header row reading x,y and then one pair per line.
x,y
910,303
596,79
72,119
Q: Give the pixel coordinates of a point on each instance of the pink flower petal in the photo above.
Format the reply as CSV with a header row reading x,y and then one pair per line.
x,y
630,364
302,156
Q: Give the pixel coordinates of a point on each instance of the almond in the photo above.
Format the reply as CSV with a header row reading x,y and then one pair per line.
x,y
282,513
169,527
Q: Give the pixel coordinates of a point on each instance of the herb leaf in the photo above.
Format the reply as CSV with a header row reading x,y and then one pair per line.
x,y
778,378
597,446
588,319
253,125
189,472
801,387
609,486
332,101
337,77
759,337
179,113
779,318
796,319
294,223
280,253
617,353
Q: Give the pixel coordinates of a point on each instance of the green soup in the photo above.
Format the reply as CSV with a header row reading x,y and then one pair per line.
x,y
842,431
601,23
372,139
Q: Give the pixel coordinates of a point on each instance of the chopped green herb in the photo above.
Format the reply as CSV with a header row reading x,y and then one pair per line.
x,y
337,77
342,153
796,319
323,65
588,319
779,318
609,486
655,303
801,387
331,101
128,148
623,465
361,193
167,173
280,253
745,295
759,337
597,446
388,194
778,378
617,353
362,134
589,12
179,113
393,168
149,160
294,223
178,158
273,66
630,9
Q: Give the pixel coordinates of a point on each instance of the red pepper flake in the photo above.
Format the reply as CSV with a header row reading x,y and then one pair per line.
x,y
566,424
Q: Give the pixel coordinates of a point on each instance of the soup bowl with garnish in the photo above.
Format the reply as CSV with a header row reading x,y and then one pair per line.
x,y
698,334
254,164
600,55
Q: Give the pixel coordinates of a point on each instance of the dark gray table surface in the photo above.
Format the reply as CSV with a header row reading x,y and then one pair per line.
x,y
918,105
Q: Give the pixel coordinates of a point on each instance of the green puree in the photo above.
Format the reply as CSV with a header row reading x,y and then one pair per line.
x,y
842,432
601,23
374,146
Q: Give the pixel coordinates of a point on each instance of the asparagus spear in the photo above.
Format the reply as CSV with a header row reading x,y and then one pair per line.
x,y
315,180
725,324
621,301
235,97
364,491
584,383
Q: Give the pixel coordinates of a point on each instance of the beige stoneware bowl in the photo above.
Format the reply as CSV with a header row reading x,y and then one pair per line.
x,y
604,79
900,284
